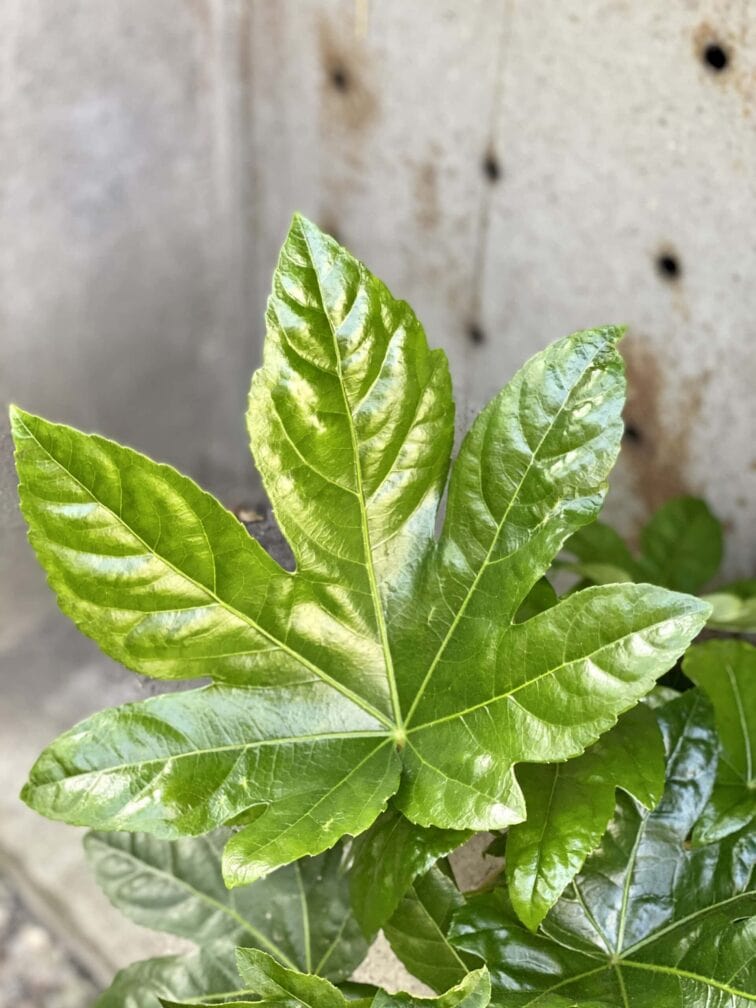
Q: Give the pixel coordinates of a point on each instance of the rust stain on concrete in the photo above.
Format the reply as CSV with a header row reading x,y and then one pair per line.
x,y
737,75
347,97
662,426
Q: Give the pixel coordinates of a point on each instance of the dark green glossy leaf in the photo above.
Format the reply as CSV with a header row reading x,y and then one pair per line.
x,y
570,805
300,913
386,655
649,923
387,858
681,546
417,932
209,971
726,671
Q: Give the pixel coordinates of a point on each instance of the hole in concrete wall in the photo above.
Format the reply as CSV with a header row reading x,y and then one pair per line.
x,y
491,167
632,433
668,266
715,57
339,78
475,334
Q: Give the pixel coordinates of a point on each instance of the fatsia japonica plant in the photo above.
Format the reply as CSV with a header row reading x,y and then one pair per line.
x,y
398,691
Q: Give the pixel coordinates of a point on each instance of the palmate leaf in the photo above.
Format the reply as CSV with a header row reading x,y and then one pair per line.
x,y
389,664
300,914
570,805
726,671
649,922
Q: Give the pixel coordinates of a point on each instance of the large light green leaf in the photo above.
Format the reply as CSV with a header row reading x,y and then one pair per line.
x,y
209,971
570,805
417,931
385,655
649,922
300,914
386,860
726,671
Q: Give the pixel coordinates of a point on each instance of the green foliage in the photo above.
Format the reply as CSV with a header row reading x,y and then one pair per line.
x,y
338,686
726,671
648,923
734,607
681,548
301,914
415,679
275,984
417,932
211,971
386,860
570,805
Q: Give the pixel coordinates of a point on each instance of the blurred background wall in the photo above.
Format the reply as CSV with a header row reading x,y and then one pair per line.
x,y
516,170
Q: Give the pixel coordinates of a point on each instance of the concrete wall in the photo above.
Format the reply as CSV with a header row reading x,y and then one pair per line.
x,y
514,169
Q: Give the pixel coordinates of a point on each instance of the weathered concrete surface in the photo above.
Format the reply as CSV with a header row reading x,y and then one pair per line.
x,y
35,967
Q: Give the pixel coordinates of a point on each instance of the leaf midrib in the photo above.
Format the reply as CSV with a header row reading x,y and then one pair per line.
x,y
434,923
674,925
367,546
618,964
259,743
494,541
203,897
365,705
543,675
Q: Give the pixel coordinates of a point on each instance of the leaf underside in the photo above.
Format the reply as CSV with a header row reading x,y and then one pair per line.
x,y
300,914
347,682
